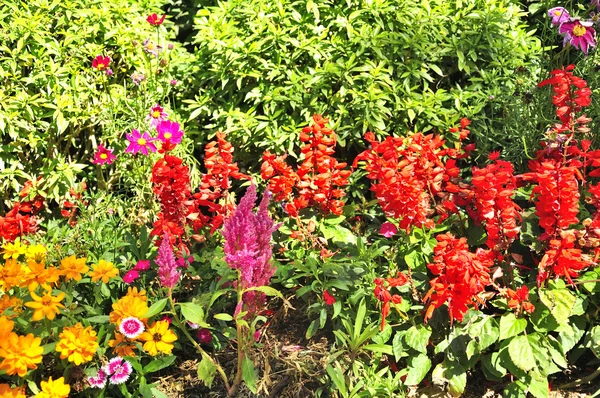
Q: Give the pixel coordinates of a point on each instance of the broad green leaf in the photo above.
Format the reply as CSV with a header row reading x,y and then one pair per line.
x,y
417,337
559,301
492,366
158,364
485,331
193,313
511,326
268,290
457,378
98,319
156,308
249,374
397,347
521,353
418,366
158,394
206,371
223,317
538,386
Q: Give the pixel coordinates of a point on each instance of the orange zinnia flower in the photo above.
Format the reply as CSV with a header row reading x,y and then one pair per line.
x,y
103,270
6,328
46,306
54,389
7,302
11,274
38,275
7,392
20,353
122,346
128,306
77,344
157,338
73,267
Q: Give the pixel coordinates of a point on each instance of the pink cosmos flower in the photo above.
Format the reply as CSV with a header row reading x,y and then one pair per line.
x,y
388,229
120,370
157,114
169,131
131,327
98,381
140,142
154,20
204,336
100,62
579,33
131,276
137,78
558,15
151,48
103,156
142,265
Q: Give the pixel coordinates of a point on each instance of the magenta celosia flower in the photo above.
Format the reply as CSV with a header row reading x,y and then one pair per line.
x,y
142,265
558,15
579,33
100,62
120,370
131,327
154,20
157,114
204,336
151,48
248,245
131,276
388,229
140,142
169,131
168,275
103,156
98,381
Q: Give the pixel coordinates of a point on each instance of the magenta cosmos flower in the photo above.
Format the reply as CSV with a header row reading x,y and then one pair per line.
x,y
169,131
157,114
118,369
558,15
579,33
154,20
131,327
103,156
98,381
101,62
140,142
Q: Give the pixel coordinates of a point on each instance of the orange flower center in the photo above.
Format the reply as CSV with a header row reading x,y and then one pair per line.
x,y
156,114
168,135
150,46
103,156
141,141
46,300
579,30
157,337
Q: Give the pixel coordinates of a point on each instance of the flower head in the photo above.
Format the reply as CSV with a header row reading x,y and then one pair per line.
x,y
77,344
168,275
16,392
98,381
129,306
131,276
14,250
122,346
109,72
158,337
101,62
142,265
580,34
104,270
151,48
131,327
388,229
73,267
103,156
137,78
118,369
154,20
140,143
169,131
46,306
20,353
173,82
204,336
328,298
54,389
157,114
558,15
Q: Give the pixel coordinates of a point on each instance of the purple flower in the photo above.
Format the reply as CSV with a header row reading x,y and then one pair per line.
x,y
558,15
131,327
157,114
248,245
120,370
204,336
131,276
98,381
579,33
103,156
168,275
388,229
169,131
140,142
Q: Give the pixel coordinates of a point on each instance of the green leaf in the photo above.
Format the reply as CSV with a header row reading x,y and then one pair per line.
x,y
193,313
206,371
49,348
417,337
538,386
312,328
492,366
249,374
485,331
156,308
457,378
159,364
382,348
223,317
560,302
511,326
268,290
418,366
515,390
521,353
158,394
98,319
397,347
337,376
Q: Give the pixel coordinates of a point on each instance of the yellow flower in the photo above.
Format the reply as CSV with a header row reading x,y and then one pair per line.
x,y
11,274
103,270
122,346
14,250
54,389
37,274
36,253
128,306
7,302
72,268
20,353
133,292
6,328
77,344
157,338
46,306
16,392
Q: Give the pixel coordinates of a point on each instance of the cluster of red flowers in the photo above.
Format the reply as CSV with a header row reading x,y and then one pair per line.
x,y
410,173
563,258
21,219
461,276
318,178
213,194
171,184
74,203
382,293
492,190
520,299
